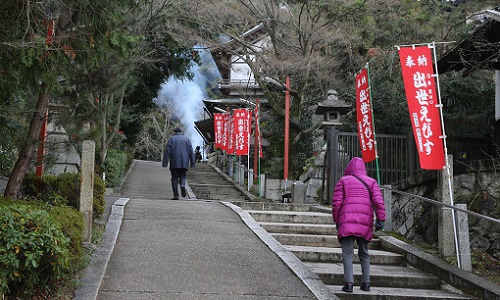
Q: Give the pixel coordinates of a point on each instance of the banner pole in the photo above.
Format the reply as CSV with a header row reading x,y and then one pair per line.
x,y
447,166
373,120
249,127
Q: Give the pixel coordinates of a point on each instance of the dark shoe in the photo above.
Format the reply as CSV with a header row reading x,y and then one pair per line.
x,y
347,288
183,191
175,198
365,286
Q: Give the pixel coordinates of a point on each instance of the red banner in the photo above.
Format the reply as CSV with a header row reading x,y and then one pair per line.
x,y
225,132
366,132
230,141
218,129
242,126
420,86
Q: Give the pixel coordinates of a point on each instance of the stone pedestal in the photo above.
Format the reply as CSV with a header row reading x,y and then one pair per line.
x,y
298,192
463,238
87,187
446,234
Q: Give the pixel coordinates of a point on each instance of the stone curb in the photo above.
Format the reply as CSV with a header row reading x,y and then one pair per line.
x,y
310,279
95,271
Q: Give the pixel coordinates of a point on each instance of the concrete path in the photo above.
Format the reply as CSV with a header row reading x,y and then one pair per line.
x,y
157,248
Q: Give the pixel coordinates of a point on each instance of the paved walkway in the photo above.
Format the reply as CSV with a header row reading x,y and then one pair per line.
x,y
157,248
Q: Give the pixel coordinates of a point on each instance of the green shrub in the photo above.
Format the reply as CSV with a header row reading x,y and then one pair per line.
x,y
34,252
64,189
115,166
99,200
51,188
72,224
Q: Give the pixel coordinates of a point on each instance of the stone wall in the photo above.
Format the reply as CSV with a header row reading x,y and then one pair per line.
x,y
475,184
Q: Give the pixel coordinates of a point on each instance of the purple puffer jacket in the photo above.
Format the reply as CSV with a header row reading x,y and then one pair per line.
x,y
352,209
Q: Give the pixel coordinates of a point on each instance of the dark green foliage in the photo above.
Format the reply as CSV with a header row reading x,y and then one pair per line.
x,y
63,190
34,252
11,130
72,225
115,166
469,103
273,162
99,192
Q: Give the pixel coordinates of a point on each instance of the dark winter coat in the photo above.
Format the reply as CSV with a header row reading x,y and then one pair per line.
x,y
178,152
352,206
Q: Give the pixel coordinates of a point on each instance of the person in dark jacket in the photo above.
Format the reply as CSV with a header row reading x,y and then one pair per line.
x,y
179,154
355,197
197,154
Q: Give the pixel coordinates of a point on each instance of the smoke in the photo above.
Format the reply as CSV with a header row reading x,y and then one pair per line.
x,y
186,96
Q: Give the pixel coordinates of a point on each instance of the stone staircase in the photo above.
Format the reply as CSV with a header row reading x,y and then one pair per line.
x,y
207,183
309,233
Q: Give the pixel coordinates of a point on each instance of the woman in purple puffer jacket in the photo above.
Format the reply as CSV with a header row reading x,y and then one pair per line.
x,y
355,198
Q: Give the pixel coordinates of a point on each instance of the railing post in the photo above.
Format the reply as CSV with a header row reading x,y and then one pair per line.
x,y
262,191
230,166
446,234
250,179
241,175
463,238
388,207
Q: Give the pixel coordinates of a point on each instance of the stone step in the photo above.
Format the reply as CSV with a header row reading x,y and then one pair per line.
x,y
226,197
216,191
314,240
208,176
290,217
311,240
273,206
319,229
391,293
334,255
308,232
380,275
212,185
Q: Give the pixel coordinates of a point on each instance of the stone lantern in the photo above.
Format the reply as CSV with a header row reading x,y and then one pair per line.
x,y
332,110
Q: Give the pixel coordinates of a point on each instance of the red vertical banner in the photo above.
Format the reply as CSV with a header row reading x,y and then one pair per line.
x,y
218,129
242,127
420,87
230,135
366,132
225,132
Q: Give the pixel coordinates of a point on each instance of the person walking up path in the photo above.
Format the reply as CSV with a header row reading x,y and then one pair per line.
x,y
354,200
189,249
179,155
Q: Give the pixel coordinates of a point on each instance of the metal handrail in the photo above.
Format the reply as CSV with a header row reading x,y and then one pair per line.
x,y
443,204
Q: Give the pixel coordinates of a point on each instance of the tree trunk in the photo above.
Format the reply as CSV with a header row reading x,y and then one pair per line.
x,y
29,148
107,139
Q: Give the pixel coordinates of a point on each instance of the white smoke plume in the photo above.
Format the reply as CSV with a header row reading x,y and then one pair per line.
x,y
186,96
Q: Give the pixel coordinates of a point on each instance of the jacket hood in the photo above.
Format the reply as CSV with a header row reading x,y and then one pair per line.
x,y
355,166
